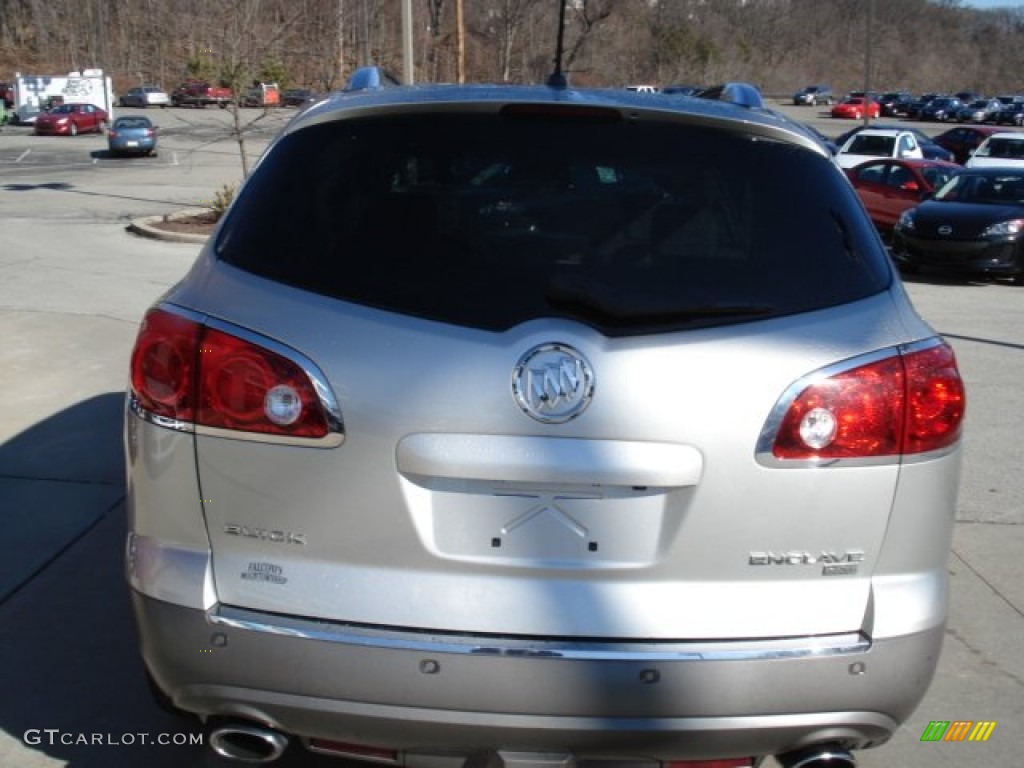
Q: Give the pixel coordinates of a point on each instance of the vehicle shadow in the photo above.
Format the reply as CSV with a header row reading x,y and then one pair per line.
x,y
59,186
73,680
938,277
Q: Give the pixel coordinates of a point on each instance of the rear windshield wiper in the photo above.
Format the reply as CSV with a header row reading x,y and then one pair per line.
x,y
594,296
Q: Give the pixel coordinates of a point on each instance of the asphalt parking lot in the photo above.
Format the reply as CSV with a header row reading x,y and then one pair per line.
x,y
73,286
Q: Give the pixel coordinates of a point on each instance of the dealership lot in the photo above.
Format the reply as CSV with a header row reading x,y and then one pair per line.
x,y
73,285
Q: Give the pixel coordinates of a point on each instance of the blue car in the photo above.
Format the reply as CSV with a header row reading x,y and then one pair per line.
x,y
134,135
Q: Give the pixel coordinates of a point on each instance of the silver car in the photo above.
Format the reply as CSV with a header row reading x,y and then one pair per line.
x,y
145,96
542,426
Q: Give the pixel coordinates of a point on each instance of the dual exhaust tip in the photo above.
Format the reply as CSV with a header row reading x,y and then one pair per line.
x,y
821,756
246,742
254,743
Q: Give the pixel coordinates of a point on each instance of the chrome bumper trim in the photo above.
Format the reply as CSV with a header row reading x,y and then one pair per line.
x,y
524,647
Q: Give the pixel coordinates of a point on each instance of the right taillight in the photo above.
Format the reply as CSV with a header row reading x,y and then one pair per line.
x,y
187,374
908,403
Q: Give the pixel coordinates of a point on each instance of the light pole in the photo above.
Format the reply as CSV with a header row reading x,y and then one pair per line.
x,y
408,65
867,62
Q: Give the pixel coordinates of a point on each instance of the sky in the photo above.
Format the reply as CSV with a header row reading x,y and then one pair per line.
x,y
993,3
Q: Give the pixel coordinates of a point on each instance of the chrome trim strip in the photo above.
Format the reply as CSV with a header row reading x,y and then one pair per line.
x,y
574,650
335,425
763,450
153,418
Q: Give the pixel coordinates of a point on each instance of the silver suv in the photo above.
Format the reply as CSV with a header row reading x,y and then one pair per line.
x,y
813,95
536,426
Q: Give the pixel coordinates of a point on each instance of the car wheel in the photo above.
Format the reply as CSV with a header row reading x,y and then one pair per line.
x,y
73,130
1018,279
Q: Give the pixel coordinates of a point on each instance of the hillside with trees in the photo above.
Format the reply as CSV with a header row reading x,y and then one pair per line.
x,y
780,45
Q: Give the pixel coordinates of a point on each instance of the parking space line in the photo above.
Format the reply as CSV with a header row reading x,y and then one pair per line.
x,y
23,155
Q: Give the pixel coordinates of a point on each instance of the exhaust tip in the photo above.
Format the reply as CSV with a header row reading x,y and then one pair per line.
x,y
818,757
247,742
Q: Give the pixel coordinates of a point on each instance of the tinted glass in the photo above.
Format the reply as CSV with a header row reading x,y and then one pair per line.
x,y
999,188
488,222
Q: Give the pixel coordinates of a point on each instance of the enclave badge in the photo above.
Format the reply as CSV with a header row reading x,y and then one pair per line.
x,y
553,383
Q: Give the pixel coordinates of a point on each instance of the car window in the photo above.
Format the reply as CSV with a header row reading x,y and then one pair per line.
x,y
936,175
873,174
123,123
898,176
880,146
982,188
489,222
1008,148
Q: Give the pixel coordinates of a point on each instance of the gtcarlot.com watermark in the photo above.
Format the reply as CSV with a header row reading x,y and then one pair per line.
x,y
51,737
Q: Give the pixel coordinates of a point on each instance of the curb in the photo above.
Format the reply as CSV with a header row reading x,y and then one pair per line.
x,y
144,227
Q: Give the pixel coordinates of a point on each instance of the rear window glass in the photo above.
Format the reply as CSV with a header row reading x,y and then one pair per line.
x,y
488,221
881,146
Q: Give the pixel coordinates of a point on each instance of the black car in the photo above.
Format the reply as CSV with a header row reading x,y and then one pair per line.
x,y
895,103
298,97
916,107
974,224
942,109
1009,114
929,148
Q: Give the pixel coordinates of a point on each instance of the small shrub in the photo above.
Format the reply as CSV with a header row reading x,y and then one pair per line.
x,y
222,200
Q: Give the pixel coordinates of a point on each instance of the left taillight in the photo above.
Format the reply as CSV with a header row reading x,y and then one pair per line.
x,y
188,373
163,365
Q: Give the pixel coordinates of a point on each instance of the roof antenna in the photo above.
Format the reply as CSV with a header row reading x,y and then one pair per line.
x,y
557,79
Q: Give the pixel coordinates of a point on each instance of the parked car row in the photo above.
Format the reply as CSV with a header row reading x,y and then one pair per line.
x,y
963,107
200,93
966,218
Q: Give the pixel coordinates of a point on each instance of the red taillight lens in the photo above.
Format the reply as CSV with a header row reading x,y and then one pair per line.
x,y
935,400
246,387
163,365
905,404
185,371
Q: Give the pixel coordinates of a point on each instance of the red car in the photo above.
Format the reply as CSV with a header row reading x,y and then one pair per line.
x,y
853,108
962,141
889,186
71,120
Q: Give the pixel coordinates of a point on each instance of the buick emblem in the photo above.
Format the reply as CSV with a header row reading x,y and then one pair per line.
x,y
553,383
945,229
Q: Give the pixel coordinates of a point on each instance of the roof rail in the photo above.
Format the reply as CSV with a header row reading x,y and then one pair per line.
x,y
742,94
370,78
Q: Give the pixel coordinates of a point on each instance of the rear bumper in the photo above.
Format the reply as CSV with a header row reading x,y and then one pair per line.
x,y
426,694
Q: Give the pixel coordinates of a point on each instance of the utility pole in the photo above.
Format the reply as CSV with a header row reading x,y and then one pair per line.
x,y
408,64
460,43
867,62
341,40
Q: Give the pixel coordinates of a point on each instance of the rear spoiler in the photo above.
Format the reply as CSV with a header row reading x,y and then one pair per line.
x,y
741,94
371,79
